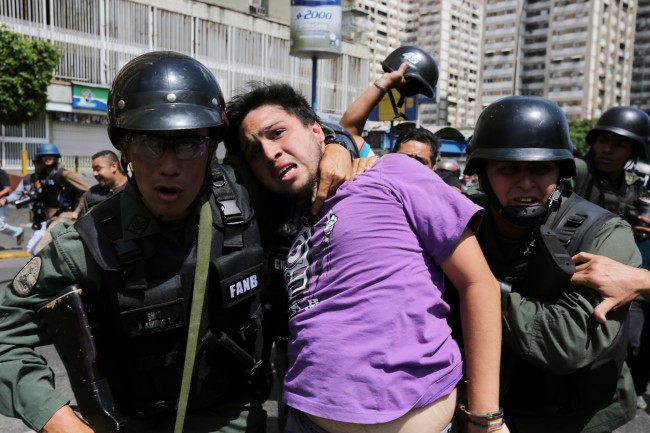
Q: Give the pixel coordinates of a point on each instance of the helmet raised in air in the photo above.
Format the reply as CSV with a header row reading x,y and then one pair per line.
x,y
422,70
164,91
521,128
628,122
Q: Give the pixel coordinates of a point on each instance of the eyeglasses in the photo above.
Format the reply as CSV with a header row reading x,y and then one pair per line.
x,y
149,146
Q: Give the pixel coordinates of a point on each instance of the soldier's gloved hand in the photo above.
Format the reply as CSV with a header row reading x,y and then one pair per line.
x,y
65,420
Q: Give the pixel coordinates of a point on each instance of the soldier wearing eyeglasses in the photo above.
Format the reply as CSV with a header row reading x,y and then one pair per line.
x,y
153,298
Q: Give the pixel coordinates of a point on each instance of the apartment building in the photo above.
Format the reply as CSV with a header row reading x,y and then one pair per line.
x,y
451,30
576,53
640,92
239,41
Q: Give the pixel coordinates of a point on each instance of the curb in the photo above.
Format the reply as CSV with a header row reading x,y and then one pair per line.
x,y
14,254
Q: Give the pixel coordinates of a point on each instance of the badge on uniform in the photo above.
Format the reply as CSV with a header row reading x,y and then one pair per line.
x,y
27,277
138,224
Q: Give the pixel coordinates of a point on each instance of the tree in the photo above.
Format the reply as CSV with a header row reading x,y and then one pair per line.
x,y
578,130
26,69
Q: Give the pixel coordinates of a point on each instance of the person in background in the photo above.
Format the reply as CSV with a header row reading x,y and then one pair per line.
x,y
26,194
399,370
61,191
110,177
562,371
621,135
5,190
449,171
420,144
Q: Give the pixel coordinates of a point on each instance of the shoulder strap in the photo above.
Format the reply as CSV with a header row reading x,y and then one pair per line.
x,y
101,230
577,223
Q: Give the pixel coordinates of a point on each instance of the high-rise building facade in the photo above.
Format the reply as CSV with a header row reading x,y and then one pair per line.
x,y
451,30
640,96
576,53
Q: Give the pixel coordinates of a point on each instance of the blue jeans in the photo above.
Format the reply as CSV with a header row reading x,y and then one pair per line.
x,y
6,228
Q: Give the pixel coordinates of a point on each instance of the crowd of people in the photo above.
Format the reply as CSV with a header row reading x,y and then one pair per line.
x,y
386,294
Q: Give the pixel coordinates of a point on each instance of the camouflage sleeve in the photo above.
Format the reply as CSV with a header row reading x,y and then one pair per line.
x,y
27,388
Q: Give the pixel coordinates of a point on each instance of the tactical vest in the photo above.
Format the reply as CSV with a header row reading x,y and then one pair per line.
x,y
140,312
575,224
53,193
599,189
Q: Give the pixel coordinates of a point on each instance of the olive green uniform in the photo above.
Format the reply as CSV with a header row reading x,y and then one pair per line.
x,y
27,386
555,340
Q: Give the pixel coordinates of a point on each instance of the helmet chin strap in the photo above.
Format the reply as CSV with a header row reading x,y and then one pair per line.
x,y
525,216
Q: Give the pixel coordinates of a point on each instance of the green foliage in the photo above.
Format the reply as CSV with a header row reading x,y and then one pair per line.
x,y
578,130
26,69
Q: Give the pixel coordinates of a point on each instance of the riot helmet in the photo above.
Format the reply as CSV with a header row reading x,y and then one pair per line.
x,y
450,165
421,73
164,91
47,149
422,70
521,129
628,122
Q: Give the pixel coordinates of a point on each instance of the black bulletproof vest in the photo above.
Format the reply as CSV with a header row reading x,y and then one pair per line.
x,y
53,192
140,312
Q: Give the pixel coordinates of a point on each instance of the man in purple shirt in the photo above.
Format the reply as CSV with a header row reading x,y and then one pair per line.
x,y
370,344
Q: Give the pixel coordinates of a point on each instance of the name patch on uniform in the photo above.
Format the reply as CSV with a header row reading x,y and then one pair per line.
x,y
242,285
156,318
27,277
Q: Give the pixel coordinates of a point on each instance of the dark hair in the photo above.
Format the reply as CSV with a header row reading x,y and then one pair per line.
x,y
259,95
423,136
110,156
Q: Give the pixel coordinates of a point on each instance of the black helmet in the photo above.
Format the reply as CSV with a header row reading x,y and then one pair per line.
x,y
163,91
422,70
629,122
521,128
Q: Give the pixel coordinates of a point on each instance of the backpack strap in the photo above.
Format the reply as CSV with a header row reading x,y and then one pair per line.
x,y
231,214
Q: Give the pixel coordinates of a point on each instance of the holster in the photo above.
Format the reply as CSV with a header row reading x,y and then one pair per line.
x,y
67,323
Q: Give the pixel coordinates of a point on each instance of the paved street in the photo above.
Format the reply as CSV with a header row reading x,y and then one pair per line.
x,y
9,267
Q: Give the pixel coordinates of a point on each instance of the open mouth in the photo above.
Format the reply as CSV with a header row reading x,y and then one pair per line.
x,y
526,201
168,193
287,170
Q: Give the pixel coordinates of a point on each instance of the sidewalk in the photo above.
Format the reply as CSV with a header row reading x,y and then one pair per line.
x,y
8,247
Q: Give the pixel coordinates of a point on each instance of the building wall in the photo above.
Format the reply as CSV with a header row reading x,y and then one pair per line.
x,y
98,37
451,31
576,53
640,91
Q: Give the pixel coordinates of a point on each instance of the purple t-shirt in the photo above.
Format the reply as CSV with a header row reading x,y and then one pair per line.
x,y
369,336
